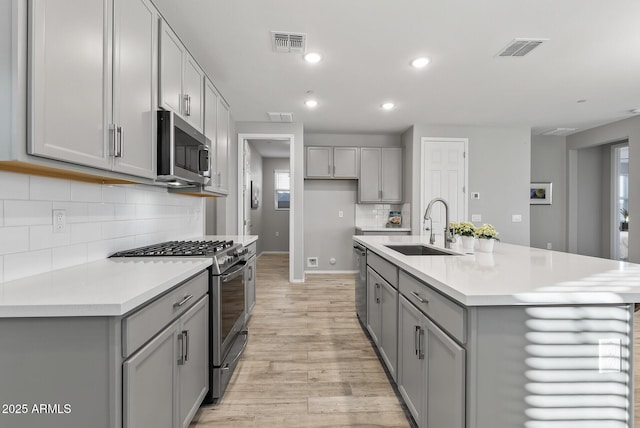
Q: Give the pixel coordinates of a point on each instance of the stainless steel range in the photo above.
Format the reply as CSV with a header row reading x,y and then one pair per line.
x,y
228,334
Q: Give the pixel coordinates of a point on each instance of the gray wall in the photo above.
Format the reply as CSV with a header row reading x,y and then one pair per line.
x,y
628,129
255,214
590,175
327,235
273,221
297,182
548,163
499,168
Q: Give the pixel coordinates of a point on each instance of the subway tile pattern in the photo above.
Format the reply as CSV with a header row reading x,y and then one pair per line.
x,y
377,215
100,220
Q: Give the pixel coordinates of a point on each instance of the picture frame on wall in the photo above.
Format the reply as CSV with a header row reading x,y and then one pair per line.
x,y
255,195
540,193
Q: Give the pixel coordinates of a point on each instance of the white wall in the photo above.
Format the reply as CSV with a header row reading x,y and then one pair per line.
x,y
548,164
273,221
499,168
101,219
297,180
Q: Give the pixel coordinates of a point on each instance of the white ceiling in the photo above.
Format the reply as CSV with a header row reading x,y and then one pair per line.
x,y
593,53
271,148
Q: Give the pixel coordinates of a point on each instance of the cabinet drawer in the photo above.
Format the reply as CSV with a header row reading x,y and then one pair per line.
x,y
252,250
443,311
143,324
384,268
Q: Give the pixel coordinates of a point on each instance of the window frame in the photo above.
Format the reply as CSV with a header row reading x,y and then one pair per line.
x,y
276,189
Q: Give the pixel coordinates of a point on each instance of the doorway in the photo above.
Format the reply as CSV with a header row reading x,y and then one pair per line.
x,y
444,174
620,201
263,194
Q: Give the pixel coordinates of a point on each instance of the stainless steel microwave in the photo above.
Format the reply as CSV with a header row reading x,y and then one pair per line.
x,y
183,152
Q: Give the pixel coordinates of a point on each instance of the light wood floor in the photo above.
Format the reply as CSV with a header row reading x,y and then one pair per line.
x,y
308,362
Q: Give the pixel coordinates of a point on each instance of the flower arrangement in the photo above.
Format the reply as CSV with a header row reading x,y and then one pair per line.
x,y
486,231
464,228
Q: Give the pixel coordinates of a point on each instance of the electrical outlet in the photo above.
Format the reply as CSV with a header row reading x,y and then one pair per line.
x,y
312,262
340,214
549,246
59,221
516,218
476,217
277,233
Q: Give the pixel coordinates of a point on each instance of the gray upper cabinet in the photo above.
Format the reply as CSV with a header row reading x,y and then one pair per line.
x,y
92,98
332,162
380,175
181,79
222,147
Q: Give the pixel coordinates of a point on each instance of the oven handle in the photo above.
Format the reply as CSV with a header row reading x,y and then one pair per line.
x,y
234,274
227,366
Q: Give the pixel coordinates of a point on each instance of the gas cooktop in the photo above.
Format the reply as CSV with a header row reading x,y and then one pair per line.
x,y
178,249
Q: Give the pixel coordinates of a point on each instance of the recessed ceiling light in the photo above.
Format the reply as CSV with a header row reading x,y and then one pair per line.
x,y
311,103
388,106
312,57
420,62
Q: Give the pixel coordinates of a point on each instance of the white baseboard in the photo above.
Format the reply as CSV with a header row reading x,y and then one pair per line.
x,y
272,252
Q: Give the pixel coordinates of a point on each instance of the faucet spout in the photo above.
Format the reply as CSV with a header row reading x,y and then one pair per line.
x,y
448,237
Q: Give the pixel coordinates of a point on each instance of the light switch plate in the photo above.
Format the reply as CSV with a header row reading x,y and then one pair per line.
x,y
516,218
476,217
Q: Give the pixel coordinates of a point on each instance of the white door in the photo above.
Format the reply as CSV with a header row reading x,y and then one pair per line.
x,y
444,176
246,192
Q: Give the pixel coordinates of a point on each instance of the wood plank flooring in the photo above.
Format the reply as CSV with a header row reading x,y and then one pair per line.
x,y
308,363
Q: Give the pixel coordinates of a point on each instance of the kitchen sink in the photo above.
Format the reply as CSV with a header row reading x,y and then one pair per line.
x,y
420,250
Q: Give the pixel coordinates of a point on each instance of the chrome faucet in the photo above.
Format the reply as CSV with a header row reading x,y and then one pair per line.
x,y
448,236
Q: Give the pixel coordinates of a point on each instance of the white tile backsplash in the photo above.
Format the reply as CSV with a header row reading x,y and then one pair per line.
x,y
14,186
41,237
19,213
101,219
14,239
24,264
49,189
377,215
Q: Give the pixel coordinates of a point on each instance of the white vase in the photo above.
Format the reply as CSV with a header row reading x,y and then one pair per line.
x,y
468,243
457,242
485,245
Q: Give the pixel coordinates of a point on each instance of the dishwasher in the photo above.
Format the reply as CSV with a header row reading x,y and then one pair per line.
x,y
360,266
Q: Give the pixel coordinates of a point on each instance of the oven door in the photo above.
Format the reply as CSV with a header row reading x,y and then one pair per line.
x,y
230,316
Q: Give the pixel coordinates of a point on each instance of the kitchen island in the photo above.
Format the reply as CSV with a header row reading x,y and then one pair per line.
x,y
520,337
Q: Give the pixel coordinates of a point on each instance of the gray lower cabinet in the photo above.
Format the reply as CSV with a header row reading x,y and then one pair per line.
x,y
431,370
382,318
250,286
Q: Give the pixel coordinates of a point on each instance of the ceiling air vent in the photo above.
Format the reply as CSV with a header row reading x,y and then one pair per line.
x,y
280,117
283,41
560,131
521,47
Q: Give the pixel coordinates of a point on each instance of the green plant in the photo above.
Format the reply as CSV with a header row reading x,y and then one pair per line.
x,y
486,231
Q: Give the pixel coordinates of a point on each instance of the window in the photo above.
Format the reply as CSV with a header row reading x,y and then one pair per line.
x,y
283,200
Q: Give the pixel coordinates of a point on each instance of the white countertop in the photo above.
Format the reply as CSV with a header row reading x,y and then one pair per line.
x,y
383,229
110,287
516,275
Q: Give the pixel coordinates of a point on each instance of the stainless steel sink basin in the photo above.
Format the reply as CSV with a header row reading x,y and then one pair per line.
x,y
419,250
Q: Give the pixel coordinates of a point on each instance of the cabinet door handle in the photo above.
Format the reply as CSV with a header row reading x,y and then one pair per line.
x,y
421,343
187,105
113,129
250,273
417,296
120,145
380,194
185,333
183,301
334,170
377,293
181,340
415,339
329,169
